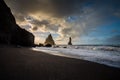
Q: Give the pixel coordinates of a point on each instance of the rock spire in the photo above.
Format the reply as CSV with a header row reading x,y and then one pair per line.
x,y
49,41
70,41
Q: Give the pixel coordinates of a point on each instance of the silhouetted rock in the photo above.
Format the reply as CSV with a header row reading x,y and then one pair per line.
x,y
70,41
10,32
7,22
22,37
40,45
48,45
49,41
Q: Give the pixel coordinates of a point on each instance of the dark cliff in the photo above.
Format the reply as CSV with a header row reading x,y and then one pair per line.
x,y
10,32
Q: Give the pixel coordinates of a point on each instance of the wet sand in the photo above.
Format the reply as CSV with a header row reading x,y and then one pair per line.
x,y
25,64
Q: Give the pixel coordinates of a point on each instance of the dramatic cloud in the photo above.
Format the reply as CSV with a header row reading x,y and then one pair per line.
x,y
65,18
58,8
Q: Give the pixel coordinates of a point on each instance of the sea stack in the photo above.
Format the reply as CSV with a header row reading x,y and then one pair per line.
x,y
70,41
49,41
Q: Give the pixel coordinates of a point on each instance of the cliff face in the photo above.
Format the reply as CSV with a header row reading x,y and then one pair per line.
x,y
7,22
22,37
10,32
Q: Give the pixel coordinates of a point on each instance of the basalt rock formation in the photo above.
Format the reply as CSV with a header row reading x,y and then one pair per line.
x,y
49,41
70,41
22,37
10,32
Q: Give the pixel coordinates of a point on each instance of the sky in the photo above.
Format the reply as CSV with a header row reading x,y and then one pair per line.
x,y
86,21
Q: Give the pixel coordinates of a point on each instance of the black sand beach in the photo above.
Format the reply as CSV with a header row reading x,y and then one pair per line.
x,y
25,64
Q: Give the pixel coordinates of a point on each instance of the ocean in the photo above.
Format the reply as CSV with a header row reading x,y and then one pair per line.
x,y
107,55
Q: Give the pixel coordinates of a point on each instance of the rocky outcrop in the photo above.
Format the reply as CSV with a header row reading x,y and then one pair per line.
x,y
22,37
49,41
10,32
7,22
70,41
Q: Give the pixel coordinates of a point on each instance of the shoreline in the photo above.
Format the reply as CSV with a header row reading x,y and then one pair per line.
x,y
26,64
85,54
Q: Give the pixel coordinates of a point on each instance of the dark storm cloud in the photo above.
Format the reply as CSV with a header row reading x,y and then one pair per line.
x,y
19,17
35,28
58,8
90,14
67,7
61,8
